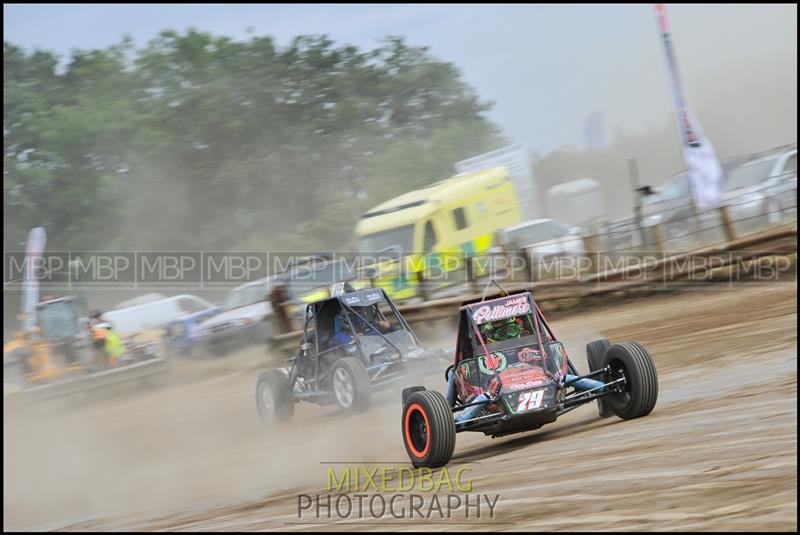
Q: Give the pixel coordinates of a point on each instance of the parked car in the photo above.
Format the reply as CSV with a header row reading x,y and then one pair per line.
x,y
182,332
309,279
177,316
243,320
671,204
246,317
541,239
157,314
763,191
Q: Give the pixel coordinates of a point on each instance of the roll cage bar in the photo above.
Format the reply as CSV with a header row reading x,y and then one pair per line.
x,y
311,314
541,328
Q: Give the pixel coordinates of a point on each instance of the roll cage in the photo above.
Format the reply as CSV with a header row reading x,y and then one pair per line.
x,y
319,327
471,344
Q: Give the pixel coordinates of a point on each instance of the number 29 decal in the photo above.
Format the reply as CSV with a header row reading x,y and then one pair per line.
x,y
530,400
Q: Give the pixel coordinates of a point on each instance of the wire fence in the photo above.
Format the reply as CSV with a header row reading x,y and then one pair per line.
x,y
755,210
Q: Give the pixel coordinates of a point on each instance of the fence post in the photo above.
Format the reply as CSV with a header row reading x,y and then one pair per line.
x,y
591,249
529,261
661,239
633,174
504,250
470,267
422,288
727,224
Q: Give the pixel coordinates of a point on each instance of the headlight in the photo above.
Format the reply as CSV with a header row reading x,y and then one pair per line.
x,y
651,220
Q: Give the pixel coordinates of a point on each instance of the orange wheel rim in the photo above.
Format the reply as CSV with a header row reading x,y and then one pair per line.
x,y
416,407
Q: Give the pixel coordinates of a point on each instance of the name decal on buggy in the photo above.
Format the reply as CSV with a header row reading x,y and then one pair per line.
x,y
511,307
527,354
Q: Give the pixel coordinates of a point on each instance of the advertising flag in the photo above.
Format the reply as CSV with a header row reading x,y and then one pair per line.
x,y
705,171
30,285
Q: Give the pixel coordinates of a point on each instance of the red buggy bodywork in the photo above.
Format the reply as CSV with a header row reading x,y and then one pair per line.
x,y
511,374
514,368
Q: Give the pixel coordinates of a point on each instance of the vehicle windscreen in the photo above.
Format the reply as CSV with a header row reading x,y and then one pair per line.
x,y
378,316
750,174
400,240
402,340
58,321
380,327
245,296
675,188
536,233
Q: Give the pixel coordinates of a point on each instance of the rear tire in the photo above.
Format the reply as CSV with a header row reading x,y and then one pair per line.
x,y
410,390
639,395
595,351
429,433
351,385
274,397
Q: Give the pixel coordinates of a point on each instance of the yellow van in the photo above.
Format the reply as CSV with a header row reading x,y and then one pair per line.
x,y
437,224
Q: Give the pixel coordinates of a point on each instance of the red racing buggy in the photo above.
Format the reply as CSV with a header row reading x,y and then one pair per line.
x,y
511,374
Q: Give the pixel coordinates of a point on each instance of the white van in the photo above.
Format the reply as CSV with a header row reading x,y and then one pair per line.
x,y
156,314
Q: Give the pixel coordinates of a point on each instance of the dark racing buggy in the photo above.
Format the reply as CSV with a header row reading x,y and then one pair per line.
x,y
511,374
352,343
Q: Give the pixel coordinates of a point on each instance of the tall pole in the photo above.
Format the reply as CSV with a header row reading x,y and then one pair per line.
x,y
633,175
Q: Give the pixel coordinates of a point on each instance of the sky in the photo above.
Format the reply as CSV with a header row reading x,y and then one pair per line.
x,y
545,67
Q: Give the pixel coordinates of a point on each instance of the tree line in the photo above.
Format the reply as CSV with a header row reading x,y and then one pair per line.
x,y
199,141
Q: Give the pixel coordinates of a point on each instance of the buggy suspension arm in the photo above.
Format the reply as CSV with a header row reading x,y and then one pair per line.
x,y
578,398
473,404
587,376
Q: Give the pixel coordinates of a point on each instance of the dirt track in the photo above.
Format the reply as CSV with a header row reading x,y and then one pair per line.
x,y
718,453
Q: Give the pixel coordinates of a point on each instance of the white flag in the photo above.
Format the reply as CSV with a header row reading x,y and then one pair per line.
x,y
705,171
30,285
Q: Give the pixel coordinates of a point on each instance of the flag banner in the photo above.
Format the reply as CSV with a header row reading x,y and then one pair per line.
x,y
702,165
30,286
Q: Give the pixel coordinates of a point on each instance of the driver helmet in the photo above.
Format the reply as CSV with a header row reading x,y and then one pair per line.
x,y
503,329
